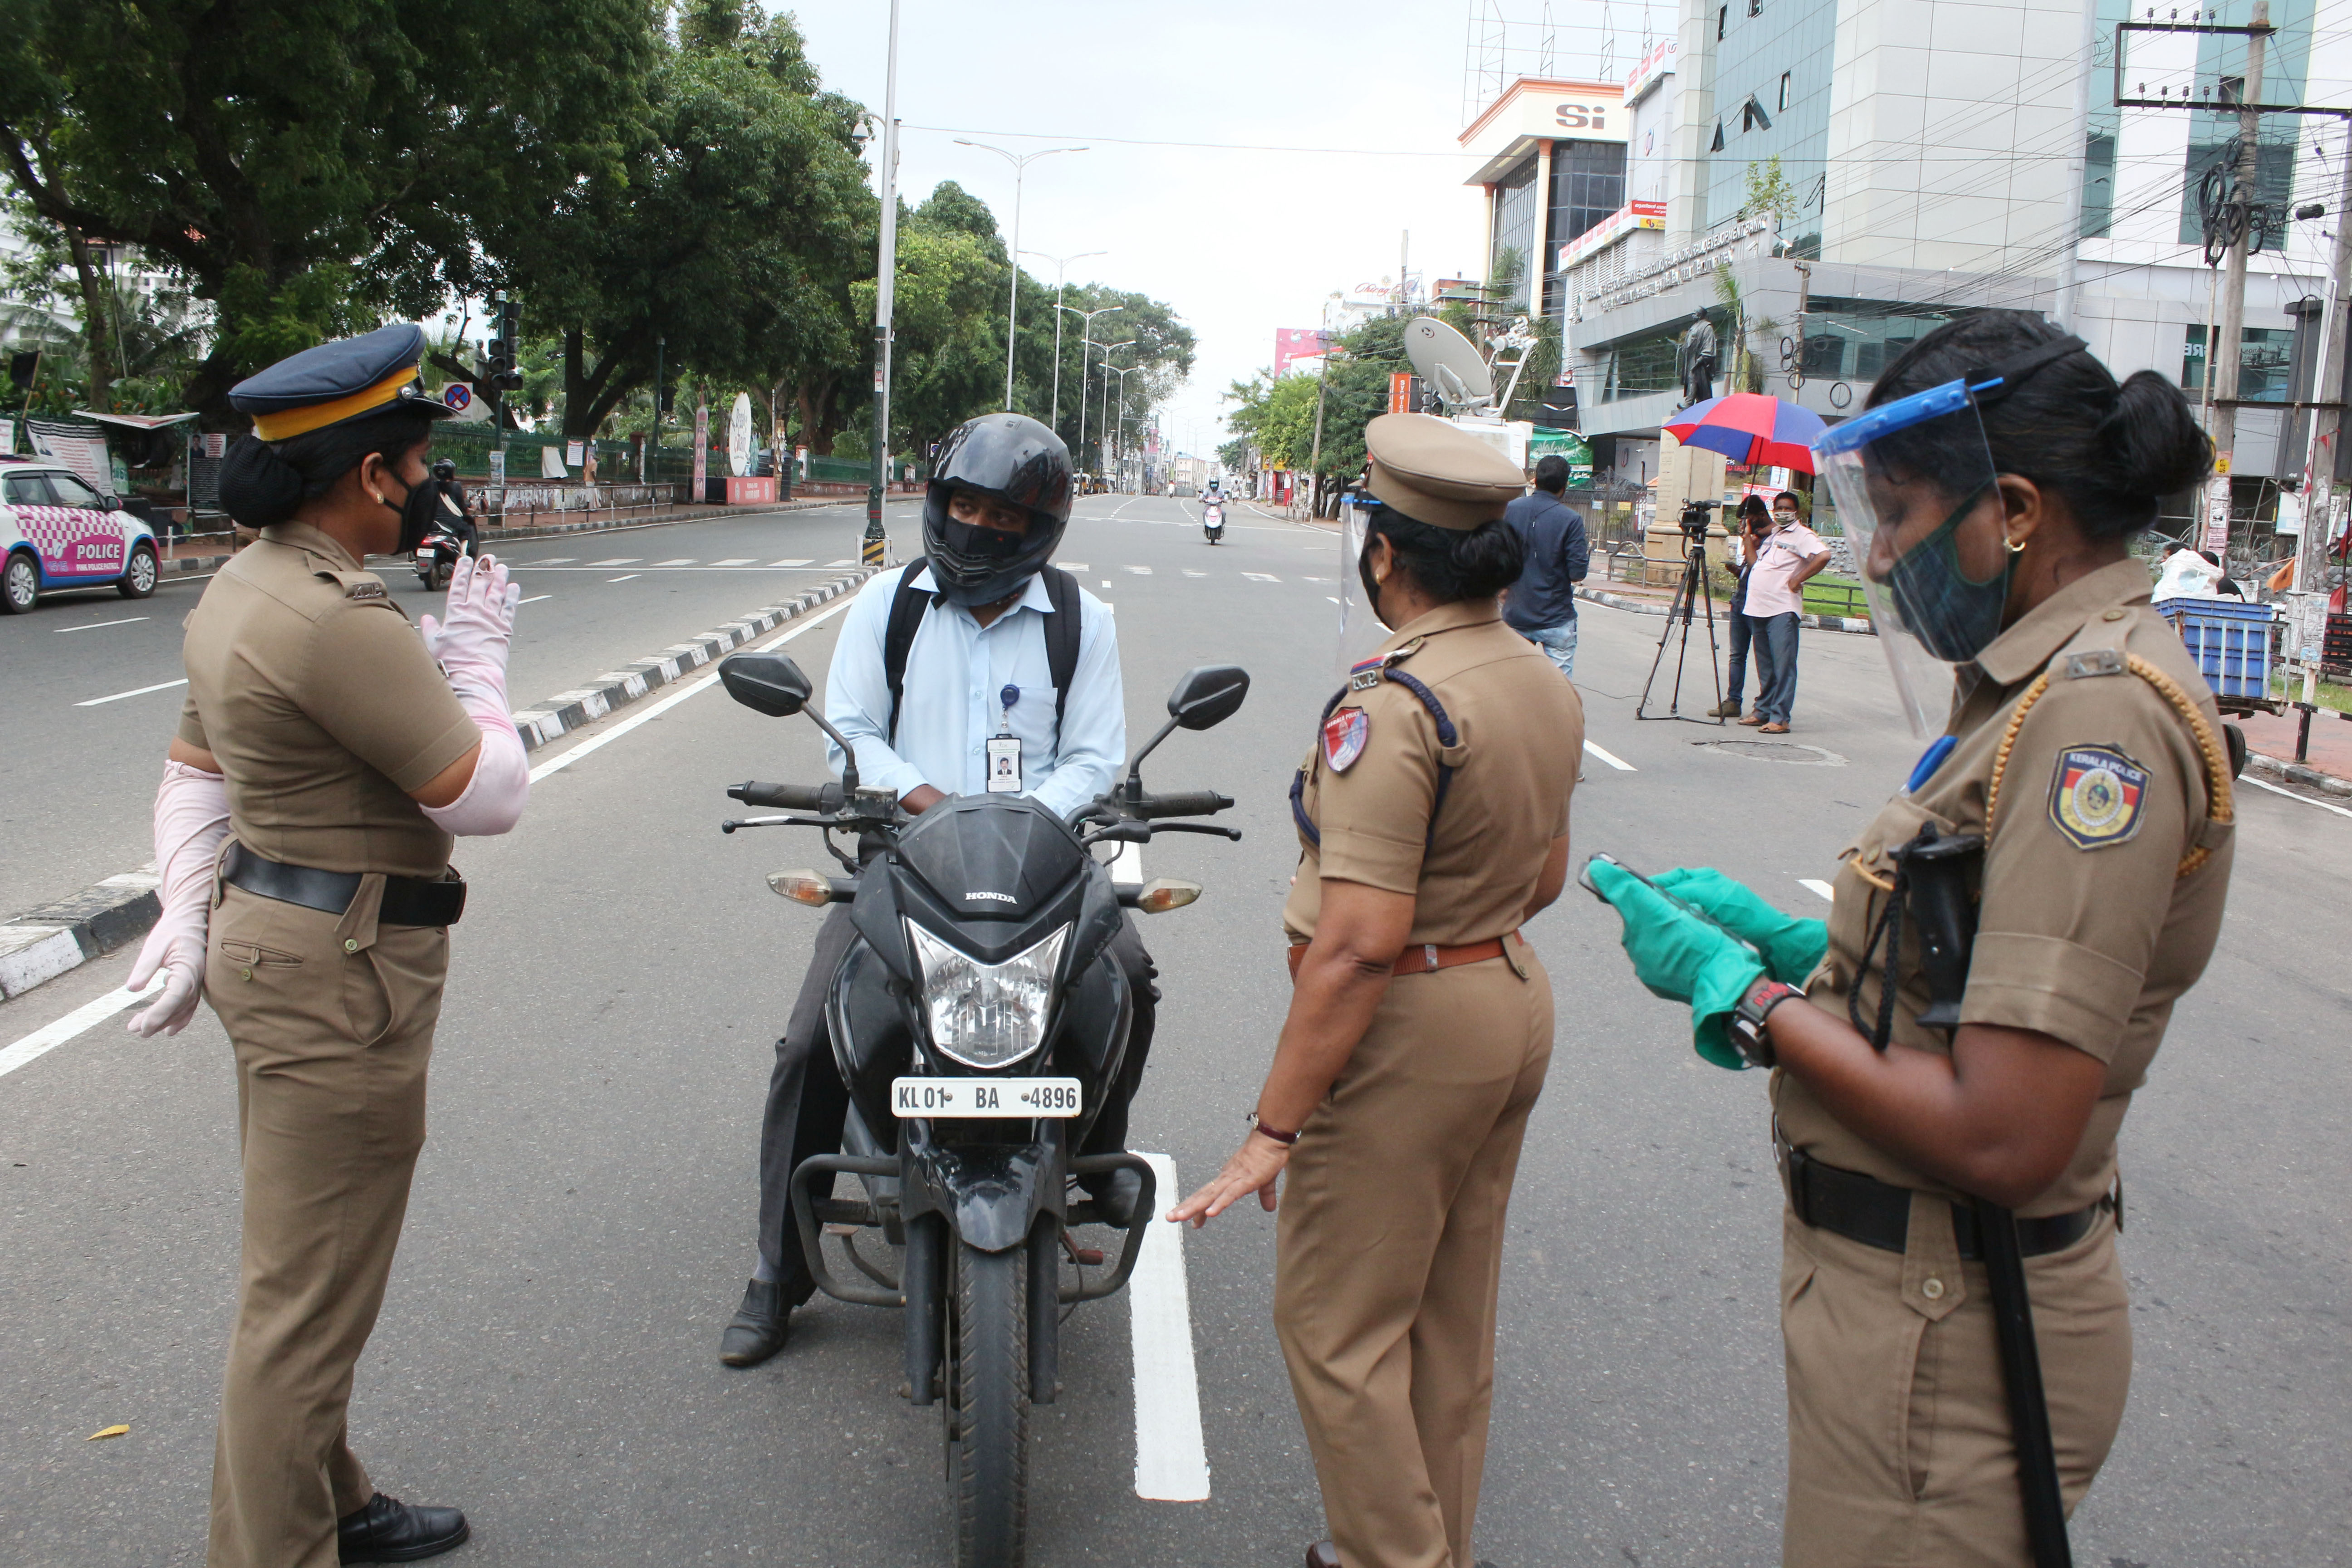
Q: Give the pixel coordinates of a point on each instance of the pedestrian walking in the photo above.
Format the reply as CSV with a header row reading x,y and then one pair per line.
x,y
327,755
1542,605
1945,1104
1754,522
1432,822
1790,556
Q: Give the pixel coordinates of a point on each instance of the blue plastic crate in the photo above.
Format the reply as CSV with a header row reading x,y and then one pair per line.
x,y
2230,641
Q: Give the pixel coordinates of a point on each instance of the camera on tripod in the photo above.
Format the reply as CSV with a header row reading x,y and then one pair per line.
x,y
1695,519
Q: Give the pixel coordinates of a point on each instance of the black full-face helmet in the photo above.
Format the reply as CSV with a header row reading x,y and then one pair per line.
x,y
1015,460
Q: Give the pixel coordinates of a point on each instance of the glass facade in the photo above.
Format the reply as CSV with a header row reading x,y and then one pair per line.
x,y
1641,366
1515,213
2265,358
1854,339
1588,184
1778,53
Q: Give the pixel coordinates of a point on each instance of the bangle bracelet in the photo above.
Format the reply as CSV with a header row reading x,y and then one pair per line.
x,y
1286,1139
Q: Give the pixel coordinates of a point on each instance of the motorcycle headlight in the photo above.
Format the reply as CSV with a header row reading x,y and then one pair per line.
x,y
987,1014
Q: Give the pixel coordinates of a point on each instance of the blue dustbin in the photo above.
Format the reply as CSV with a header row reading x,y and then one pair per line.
x,y
2231,641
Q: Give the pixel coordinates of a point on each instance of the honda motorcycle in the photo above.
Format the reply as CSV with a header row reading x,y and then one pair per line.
x,y
1212,521
979,1022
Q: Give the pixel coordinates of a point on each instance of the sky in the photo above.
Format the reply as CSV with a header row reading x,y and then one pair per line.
x,y
1239,243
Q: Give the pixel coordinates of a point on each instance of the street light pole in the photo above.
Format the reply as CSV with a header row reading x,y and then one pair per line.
x,y
1061,264
1086,342
1107,349
1117,433
1020,162
875,543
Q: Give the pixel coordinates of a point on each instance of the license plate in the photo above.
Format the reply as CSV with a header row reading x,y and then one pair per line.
x,y
982,1097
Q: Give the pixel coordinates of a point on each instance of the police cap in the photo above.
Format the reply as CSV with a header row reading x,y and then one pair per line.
x,y
338,381
1435,473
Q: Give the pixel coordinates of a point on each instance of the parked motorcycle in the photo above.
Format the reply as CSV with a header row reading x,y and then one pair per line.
x,y
979,1022
1212,521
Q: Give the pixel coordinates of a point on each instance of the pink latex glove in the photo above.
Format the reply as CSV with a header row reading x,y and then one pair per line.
x,y
191,820
470,642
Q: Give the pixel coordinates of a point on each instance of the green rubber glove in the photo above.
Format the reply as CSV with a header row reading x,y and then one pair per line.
x,y
1682,957
1792,947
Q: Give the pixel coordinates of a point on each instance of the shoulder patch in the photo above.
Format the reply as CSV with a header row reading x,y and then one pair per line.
x,y
365,591
2096,797
1344,734
2097,661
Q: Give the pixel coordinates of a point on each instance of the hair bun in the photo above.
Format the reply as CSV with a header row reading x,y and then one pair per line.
x,y
257,486
2151,439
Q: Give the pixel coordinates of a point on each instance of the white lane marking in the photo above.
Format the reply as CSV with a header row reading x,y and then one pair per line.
x,y
166,686
1318,579
1138,571
534,599
744,561
845,560
2306,800
550,561
1261,577
792,561
618,561
1329,596
1172,1460
664,705
1073,565
681,561
1106,582
626,577
1815,885
1190,572
1621,765
93,625
48,1037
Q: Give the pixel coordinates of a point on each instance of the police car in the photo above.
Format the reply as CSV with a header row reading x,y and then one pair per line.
x,y
57,532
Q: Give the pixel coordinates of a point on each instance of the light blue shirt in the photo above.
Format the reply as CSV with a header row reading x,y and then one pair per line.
x,y
948,708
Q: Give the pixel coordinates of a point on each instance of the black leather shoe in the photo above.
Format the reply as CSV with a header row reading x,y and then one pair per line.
x,y
1114,1194
389,1531
759,1327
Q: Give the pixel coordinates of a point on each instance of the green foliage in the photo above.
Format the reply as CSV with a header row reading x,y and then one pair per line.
x,y
1276,414
1769,192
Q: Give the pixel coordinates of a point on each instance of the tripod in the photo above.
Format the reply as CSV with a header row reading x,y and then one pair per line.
x,y
1689,592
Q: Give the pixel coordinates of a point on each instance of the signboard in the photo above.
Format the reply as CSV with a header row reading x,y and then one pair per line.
x,y
1652,68
8,435
754,490
457,396
739,436
1401,391
1635,215
701,449
574,453
1295,342
497,467
78,446
216,445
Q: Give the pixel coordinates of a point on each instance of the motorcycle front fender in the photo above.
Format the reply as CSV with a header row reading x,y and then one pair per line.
x,y
992,1193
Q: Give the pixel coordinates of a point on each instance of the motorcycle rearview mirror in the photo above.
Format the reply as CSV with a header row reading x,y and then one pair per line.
x,y
772,684
1206,696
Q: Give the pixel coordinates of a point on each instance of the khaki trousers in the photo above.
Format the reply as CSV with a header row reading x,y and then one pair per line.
x,y
1899,1446
1389,1252
332,1023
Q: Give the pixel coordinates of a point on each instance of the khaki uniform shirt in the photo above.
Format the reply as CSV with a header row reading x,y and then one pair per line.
x,y
1519,736
318,698
2106,863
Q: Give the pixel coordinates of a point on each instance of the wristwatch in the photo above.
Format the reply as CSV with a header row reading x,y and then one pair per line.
x,y
1746,1025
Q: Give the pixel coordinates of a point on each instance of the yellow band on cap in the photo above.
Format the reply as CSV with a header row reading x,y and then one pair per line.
x,y
287,423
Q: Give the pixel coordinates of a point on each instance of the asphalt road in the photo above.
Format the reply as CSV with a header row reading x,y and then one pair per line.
x,y
92,692
582,1220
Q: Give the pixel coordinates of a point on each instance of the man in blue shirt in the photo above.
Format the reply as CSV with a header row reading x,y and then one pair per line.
x,y
988,641
1541,605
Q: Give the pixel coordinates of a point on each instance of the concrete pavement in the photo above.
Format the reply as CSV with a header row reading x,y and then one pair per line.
x,y
582,1222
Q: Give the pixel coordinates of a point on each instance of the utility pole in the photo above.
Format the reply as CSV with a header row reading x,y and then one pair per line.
x,y
875,543
2069,259
2222,361
1315,462
2319,508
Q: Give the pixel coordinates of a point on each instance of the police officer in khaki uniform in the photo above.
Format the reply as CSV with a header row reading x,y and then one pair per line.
x,y
1992,490
1432,822
327,754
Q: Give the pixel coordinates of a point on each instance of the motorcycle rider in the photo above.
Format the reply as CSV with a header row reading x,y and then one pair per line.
x,y
943,669
461,526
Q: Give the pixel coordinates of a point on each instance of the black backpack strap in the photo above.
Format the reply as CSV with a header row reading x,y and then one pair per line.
x,y
909,606
1062,629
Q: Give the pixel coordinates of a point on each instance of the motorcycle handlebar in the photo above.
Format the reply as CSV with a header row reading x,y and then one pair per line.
x,y
788,797
1195,803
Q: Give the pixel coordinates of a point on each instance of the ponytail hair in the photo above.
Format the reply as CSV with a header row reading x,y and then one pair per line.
x,y
2111,451
265,482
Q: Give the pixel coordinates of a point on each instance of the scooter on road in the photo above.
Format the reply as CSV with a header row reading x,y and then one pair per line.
x,y
979,1022
1212,521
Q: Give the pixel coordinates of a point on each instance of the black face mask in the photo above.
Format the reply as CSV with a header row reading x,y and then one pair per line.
x,y
420,513
1372,583
973,542
1953,616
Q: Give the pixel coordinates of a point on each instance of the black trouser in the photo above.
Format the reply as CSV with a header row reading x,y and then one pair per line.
x,y
807,1101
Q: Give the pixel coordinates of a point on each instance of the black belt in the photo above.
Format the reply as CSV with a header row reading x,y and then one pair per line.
x,y
1878,1213
407,900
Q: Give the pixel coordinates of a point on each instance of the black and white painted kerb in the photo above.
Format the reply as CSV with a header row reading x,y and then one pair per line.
x,y
45,942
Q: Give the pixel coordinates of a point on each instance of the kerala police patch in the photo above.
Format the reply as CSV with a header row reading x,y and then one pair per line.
x,y
1344,734
2096,796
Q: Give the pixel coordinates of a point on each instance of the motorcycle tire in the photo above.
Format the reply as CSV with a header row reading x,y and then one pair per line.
x,y
987,1407
441,578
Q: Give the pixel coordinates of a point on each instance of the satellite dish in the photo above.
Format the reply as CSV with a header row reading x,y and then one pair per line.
x,y
1450,362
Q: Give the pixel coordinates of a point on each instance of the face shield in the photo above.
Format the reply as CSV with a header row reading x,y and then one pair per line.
x,y
1914,484
1360,631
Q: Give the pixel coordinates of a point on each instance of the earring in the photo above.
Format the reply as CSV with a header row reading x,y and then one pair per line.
x,y
2016,546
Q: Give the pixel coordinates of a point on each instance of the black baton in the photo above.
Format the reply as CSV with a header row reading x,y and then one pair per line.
x,y
1939,868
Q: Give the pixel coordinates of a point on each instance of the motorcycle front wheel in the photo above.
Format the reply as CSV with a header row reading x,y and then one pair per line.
x,y
987,1406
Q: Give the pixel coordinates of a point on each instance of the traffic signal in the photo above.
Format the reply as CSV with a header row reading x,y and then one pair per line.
x,y
508,329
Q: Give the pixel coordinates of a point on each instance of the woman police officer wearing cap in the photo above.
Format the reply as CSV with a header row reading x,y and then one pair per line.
x,y
1432,818
326,755
1991,490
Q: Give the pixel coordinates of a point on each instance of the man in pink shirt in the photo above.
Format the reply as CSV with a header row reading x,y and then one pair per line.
x,y
1791,555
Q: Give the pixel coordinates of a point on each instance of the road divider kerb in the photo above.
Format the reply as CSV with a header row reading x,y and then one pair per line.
x,y
1854,624
38,946
2285,772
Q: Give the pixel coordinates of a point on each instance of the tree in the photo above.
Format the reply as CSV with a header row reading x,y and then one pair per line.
x,y
309,168
1768,192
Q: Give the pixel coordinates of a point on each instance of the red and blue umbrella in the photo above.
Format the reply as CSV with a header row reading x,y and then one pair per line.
x,y
1751,428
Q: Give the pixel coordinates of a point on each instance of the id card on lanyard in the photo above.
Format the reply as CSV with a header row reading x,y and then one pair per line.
x,y
1003,750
